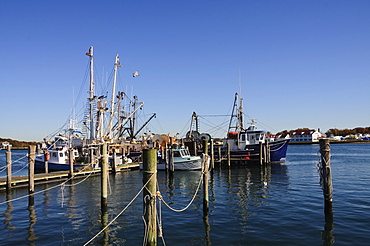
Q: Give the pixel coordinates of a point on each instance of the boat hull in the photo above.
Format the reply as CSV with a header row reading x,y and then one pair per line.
x,y
185,165
40,166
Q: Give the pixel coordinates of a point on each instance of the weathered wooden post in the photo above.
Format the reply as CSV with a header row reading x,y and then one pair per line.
x,y
104,177
219,153
91,153
261,152
71,160
195,148
149,195
267,151
9,168
172,161
205,177
228,154
114,163
212,155
326,175
31,168
46,160
268,148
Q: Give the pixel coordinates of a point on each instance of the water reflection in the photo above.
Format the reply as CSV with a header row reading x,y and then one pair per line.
x,y
327,233
7,215
104,222
32,220
207,229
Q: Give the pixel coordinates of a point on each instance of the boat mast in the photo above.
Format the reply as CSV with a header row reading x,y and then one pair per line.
x,y
241,115
112,112
235,107
91,94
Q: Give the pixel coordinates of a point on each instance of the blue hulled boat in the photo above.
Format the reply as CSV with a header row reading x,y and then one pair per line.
x,y
249,144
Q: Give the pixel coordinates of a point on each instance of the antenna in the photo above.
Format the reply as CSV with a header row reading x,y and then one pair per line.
x,y
240,83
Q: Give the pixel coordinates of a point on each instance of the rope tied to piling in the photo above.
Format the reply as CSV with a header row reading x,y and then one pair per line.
x,y
324,170
119,214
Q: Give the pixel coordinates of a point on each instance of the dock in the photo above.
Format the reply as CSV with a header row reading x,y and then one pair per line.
x,y
43,178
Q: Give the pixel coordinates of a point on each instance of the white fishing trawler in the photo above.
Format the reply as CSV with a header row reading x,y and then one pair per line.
x,y
108,121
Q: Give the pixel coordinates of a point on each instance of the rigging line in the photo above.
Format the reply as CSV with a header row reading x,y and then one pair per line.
x,y
119,214
82,84
186,126
214,115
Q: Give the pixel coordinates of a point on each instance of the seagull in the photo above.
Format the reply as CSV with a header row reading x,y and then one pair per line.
x,y
135,74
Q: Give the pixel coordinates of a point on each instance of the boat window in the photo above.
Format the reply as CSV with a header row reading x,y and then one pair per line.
x,y
54,155
60,154
243,137
76,154
176,154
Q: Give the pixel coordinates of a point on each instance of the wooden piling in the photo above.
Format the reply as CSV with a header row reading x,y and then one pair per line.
x,y
219,153
46,160
205,146
267,152
205,177
195,148
91,153
9,168
114,163
326,175
104,177
261,153
212,155
149,195
71,160
171,161
31,168
228,154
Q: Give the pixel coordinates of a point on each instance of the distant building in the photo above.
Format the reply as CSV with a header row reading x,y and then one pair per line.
x,y
306,136
3,145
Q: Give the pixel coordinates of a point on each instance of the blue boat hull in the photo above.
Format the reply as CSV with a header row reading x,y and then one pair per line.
x,y
40,166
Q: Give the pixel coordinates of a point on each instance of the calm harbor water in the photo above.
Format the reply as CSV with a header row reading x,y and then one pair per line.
x,y
281,205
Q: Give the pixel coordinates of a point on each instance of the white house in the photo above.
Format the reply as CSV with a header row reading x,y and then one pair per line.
x,y
306,136
4,145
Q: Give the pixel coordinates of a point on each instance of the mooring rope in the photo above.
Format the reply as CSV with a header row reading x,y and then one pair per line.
x,y
320,168
191,201
20,169
119,214
6,166
63,183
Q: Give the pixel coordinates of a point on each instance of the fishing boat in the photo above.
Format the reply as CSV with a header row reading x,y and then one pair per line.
x,y
105,121
251,144
182,160
57,156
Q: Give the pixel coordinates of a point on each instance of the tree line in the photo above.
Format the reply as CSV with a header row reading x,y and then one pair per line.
x,y
331,132
345,132
16,143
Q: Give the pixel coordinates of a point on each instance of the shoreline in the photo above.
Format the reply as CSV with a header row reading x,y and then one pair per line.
x,y
331,142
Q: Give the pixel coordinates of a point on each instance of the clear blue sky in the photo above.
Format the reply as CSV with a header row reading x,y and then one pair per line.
x,y
302,63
